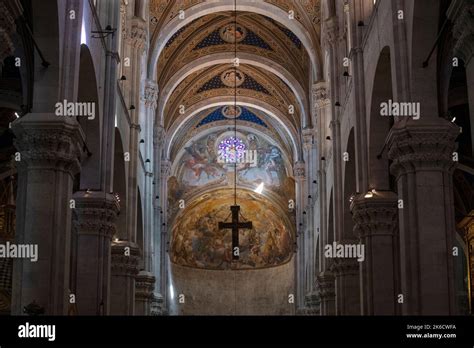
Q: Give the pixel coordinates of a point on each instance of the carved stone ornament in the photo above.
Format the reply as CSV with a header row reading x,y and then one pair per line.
x,y
376,215
299,170
124,261
420,145
95,213
325,285
150,95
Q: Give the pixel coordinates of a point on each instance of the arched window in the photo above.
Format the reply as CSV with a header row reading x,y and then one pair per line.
x,y
232,149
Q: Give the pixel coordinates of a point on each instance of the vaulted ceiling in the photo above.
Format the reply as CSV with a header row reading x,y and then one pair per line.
x,y
204,91
197,72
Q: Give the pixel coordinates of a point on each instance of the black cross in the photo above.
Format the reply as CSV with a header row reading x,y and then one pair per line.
x,y
235,225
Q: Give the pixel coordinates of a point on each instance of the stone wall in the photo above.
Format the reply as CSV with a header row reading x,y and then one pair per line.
x,y
239,292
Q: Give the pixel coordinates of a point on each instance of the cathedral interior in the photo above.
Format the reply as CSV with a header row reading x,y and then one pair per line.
x,y
236,157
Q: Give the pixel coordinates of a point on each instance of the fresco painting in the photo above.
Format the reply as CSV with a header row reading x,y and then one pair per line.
x,y
200,165
197,241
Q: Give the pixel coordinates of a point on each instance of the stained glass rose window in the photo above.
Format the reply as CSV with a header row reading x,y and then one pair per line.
x,y
231,150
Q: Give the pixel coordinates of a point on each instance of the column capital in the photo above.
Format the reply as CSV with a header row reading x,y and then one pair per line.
x,y
150,95
165,169
325,285
320,95
308,138
419,145
312,303
138,34
376,215
95,213
299,170
331,30
144,285
123,263
123,19
47,141
158,136
345,266
157,305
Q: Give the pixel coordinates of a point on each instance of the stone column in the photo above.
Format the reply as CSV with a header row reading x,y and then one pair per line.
x,y
132,183
137,43
325,285
310,232
160,270
50,148
422,155
324,282
346,272
144,286
346,279
150,96
162,229
375,222
124,268
332,38
146,279
158,306
299,175
94,221
109,11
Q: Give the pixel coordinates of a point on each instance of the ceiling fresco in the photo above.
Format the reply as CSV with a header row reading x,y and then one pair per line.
x,y
231,112
201,164
221,118
197,241
212,34
251,82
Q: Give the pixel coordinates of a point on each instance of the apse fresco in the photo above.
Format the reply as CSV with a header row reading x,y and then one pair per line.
x,y
197,241
203,162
